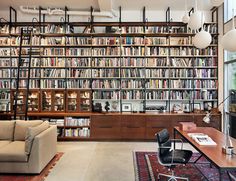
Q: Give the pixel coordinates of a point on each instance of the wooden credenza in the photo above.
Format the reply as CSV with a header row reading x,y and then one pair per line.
x,y
128,126
142,126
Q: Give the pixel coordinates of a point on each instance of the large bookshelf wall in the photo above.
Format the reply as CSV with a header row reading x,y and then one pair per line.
x,y
142,64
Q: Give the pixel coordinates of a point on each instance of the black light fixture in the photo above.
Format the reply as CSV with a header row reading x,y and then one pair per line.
x,y
3,29
34,27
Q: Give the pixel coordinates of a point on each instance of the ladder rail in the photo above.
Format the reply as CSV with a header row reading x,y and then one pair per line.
x,y
18,76
28,78
26,34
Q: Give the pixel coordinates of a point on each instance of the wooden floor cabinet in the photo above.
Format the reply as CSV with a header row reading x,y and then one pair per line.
x,y
144,126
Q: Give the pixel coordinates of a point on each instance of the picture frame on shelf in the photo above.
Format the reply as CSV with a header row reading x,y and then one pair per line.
x,y
196,107
126,107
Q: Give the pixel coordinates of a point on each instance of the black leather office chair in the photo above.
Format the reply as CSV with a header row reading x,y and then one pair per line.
x,y
170,157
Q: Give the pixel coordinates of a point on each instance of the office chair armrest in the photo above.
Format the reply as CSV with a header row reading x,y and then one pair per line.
x,y
165,147
182,143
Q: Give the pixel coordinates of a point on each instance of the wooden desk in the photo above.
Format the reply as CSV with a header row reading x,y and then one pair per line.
x,y
213,153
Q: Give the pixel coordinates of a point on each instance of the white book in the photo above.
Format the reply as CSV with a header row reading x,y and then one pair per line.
x,y
202,139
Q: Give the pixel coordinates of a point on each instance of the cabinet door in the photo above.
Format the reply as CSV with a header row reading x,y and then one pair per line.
x,y
133,127
155,124
105,127
215,121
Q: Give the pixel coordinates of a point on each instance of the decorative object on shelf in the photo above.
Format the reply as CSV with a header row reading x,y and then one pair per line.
x,y
228,148
126,107
217,2
187,108
196,19
107,106
207,105
229,39
159,109
207,118
185,18
114,105
177,108
97,107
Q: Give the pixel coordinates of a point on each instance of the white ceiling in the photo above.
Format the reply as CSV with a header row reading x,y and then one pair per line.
x,y
125,4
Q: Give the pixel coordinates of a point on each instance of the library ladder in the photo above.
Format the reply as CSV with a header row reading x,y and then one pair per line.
x,y
23,73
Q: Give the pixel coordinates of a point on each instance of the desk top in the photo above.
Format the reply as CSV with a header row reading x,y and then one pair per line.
x,y
213,153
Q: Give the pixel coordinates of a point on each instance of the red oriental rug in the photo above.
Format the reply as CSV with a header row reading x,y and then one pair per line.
x,y
33,177
146,168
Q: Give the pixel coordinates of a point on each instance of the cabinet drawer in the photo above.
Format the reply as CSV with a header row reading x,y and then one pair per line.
x,y
105,127
133,127
106,133
133,132
155,124
105,121
151,131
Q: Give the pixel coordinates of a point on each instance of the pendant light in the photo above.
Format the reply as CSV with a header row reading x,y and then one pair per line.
x,y
202,39
185,18
217,2
229,39
196,20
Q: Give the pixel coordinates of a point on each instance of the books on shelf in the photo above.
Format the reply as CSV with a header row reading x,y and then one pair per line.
x,y
202,139
71,121
78,132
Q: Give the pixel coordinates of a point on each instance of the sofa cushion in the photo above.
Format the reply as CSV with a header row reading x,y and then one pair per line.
x,y
21,127
7,130
14,152
32,132
4,143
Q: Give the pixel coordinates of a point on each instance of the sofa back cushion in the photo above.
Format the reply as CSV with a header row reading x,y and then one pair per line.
x,y
21,127
7,130
32,132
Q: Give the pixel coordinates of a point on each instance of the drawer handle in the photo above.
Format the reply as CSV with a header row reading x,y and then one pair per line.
x,y
132,127
105,127
156,127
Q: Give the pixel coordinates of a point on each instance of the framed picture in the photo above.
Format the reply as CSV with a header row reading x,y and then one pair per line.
x,y
197,107
126,107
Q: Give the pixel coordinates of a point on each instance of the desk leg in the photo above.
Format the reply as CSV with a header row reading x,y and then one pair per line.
x,y
174,137
220,174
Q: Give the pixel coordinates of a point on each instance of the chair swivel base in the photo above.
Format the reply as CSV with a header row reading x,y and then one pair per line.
x,y
171,177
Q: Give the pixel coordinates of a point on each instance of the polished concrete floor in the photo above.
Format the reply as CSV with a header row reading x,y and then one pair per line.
x,y
98,161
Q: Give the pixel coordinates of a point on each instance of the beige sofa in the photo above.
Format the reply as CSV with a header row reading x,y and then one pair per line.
x,y
26,146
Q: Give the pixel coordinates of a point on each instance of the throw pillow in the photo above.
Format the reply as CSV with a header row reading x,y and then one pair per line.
x,y
7,130
32,132
21,127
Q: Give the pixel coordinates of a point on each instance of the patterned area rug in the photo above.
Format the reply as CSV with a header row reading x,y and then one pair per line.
x,y
38,177
146,168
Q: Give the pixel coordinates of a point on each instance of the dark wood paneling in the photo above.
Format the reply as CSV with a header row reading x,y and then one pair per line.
x,y
214,121
105,127
155,124
133,127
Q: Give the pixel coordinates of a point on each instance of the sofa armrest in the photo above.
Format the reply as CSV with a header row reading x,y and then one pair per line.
x,y
43,149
